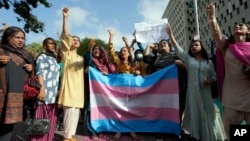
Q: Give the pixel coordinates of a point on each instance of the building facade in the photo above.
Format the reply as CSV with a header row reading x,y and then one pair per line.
x,y
181,15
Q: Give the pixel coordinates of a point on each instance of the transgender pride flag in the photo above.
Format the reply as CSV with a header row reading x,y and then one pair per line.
x,y
125,102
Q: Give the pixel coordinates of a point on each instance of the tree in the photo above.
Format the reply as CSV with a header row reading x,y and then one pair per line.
x,y
34,48
23,8
84,45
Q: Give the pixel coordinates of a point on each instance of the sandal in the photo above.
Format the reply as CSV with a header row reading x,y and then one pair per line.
x,y
95,137
117,136
70,139
133,135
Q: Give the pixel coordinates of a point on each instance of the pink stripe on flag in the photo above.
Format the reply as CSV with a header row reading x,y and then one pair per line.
x,y
169,86
133,114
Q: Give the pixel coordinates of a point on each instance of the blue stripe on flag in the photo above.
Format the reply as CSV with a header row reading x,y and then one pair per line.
x,y
154,126
126,80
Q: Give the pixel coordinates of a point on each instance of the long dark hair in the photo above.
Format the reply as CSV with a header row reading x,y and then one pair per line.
x,y
203,50
9,33
130,59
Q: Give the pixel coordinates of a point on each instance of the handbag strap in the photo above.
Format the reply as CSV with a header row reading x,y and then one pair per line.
x,y
44,107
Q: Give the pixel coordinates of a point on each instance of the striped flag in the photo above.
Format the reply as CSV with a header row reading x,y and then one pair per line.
x,y
125,102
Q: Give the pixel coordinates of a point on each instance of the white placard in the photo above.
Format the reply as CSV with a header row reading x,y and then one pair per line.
x,y
151,32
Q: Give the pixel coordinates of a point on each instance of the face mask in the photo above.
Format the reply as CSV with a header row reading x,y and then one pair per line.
x,y
139,56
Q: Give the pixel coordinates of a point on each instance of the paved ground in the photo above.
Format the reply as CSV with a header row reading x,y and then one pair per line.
x,y
82,135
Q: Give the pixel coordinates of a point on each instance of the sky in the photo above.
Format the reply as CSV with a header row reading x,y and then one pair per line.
x,y
92,18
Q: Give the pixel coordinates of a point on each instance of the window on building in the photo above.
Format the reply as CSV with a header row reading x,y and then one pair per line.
x,y
229,29
238,10
231,15
243,20
227,11
245,5
241,2
233,6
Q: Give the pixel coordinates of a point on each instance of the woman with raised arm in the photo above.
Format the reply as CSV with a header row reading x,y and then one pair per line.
x,y
199,113
236,82
124,64
70,98
138,57
97,58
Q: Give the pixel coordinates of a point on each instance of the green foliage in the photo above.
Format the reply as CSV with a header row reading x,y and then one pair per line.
x,y
23,8
35,47
84,45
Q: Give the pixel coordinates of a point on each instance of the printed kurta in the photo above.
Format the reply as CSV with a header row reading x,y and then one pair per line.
x,y
121,67
199,109
72,83
48,67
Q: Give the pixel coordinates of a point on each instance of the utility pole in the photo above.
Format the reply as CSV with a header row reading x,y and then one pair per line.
x,y
197,32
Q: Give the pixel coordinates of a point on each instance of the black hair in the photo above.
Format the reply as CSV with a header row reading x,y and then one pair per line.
x,y
156,44
130,59
100,48
203,50
169,43
48,39
9,33
136,51
77,38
